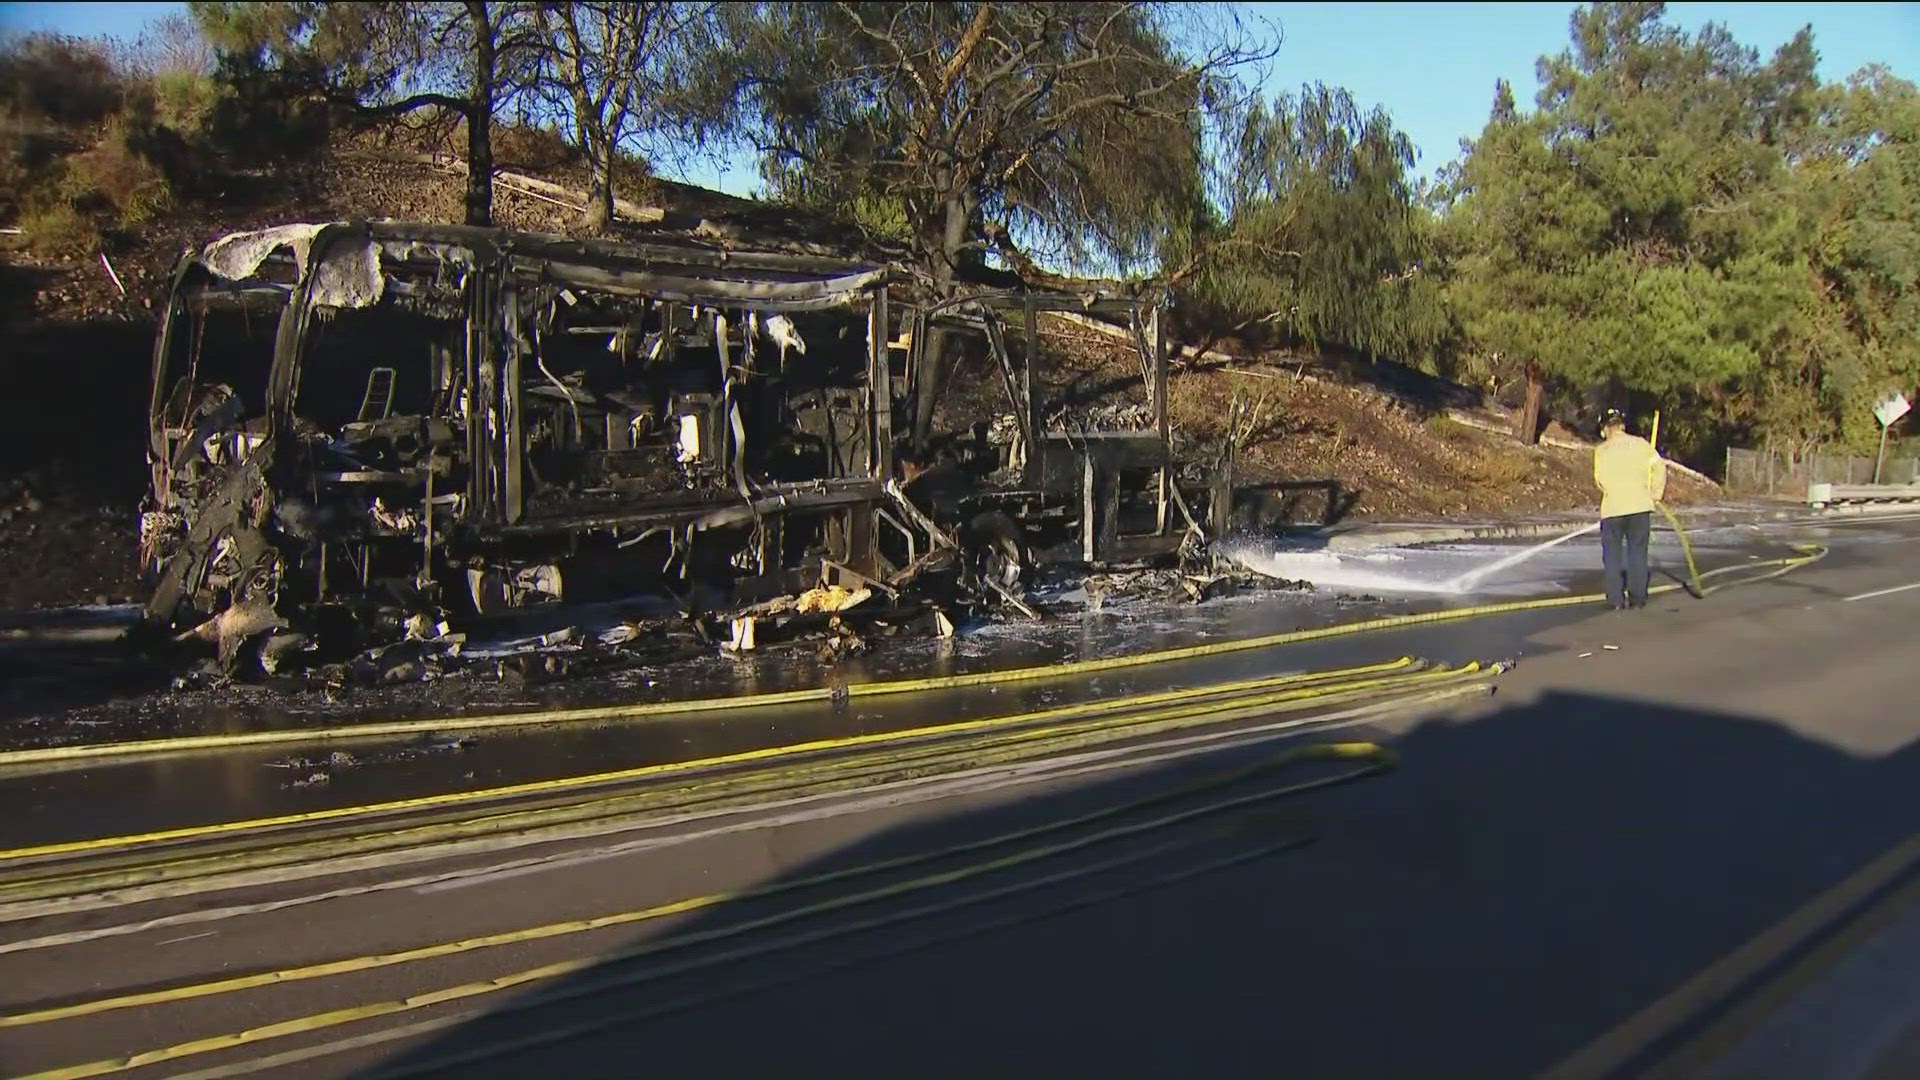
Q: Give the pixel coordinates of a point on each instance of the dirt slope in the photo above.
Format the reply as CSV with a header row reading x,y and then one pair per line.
x,y
1385,432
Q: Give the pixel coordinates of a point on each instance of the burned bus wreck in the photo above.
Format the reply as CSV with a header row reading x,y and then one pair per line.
x,y
360,432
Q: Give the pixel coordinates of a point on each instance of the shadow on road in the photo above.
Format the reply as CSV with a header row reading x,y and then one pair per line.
x,y
1522,883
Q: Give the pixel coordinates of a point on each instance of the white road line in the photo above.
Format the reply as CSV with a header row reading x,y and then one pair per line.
x,y
1882,592
1860,519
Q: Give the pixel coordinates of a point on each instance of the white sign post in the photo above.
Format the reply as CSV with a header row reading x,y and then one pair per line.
x,y
1887,410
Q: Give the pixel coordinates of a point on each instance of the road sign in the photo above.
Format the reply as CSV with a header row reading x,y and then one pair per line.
x,y
1887,410
1891,408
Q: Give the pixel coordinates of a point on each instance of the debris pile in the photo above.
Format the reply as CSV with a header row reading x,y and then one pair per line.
x,y
1178,585
1114,416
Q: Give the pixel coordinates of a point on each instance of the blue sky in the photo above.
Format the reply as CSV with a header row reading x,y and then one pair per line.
x,y
1432,65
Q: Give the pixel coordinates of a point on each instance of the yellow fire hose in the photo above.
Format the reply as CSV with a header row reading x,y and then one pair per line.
x,y
1686,543
1695,589
1369,757
1366,758
976,752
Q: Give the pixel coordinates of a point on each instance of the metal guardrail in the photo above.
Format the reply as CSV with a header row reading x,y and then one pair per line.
x,y
1821,496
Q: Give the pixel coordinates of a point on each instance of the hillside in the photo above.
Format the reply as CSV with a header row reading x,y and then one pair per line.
x,y
1402,444
77,349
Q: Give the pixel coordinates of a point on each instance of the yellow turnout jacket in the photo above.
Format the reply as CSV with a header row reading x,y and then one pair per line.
x,y
1630,475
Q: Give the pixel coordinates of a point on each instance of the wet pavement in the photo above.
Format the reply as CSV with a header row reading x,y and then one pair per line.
x,y
49,805
1367,585
1582,849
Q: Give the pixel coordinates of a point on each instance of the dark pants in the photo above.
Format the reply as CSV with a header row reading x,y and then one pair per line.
x,y
1623,557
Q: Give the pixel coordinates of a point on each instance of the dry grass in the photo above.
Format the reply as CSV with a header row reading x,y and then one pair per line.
x,y
58,230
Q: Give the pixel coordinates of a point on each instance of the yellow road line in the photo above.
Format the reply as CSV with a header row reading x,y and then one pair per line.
x,y
817,694
1618,1046
1379,756
443,995
458,798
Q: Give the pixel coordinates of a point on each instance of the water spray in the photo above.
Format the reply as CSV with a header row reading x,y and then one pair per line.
x,y
1332,569
1329,568
1463,582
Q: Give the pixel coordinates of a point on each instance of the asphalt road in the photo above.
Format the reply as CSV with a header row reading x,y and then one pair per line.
x,y
1603,869
73,800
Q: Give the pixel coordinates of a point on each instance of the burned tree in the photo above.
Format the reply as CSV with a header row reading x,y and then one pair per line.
x,y
621,70
376,61
961,126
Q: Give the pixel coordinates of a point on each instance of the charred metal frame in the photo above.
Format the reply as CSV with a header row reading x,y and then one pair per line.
x,y
1075,475
471,493
258,510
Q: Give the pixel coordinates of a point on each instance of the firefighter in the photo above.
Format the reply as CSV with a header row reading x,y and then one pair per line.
x,y
1631,478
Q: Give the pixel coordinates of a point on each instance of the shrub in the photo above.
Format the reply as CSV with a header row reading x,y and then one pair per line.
x,y
264,117
58,229
1500,470
116,179
16,173
62,79
184,101
86,143
527,147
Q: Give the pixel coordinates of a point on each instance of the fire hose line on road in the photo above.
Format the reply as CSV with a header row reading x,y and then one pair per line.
x,y
1374,673
1372,758
67,896
1377,756
279,864
986,781
1107,722
643,710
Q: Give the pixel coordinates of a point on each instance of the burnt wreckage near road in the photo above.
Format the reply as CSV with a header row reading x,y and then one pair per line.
x,y
355,425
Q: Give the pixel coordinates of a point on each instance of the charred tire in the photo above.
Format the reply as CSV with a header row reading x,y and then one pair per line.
x,y
996,549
